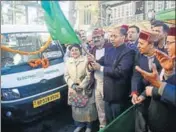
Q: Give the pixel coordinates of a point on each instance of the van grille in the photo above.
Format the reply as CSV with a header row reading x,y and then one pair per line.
x,y
33,89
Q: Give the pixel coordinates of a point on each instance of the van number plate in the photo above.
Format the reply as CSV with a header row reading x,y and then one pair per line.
x,y
45,100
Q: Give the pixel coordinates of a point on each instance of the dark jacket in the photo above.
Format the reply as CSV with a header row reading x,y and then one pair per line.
x,y
93,52
169,94
161,49
132,46
162,115
118,64
138,83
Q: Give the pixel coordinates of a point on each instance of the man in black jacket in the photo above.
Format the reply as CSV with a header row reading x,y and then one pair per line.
x,y
133,35
162,111
162,30
145,58
116,66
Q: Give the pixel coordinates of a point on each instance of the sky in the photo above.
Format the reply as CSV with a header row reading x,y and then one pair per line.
x,y
65,7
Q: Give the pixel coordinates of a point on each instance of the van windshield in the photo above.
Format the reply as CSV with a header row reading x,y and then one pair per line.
x,y
28,42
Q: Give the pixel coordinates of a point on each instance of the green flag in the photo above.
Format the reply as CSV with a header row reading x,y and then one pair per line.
x,y
58,26
123,123
167,16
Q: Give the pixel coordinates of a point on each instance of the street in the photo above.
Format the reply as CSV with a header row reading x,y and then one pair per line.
x,y
60,121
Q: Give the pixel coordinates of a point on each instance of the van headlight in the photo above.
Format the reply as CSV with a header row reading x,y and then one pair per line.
x,y
10,94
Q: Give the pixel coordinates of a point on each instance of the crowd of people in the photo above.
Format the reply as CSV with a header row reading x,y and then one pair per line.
x,y
132,66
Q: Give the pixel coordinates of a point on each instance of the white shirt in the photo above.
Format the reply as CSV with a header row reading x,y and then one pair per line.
x,y
99,74
99,53
150,61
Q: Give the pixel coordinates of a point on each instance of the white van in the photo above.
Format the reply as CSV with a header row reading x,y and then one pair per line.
x,y
28,91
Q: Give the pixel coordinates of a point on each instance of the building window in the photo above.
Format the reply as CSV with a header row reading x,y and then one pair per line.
x,y
89,17
112,13
115,13
127,10
130,9
167,4
122,13
149,5
119,12
172,4
32,15
41,19
7,14
159,5
85,18
139,7
20,14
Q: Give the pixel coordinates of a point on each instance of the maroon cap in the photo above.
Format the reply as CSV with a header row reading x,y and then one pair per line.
x,y
148,36
125,26
172,31
97,31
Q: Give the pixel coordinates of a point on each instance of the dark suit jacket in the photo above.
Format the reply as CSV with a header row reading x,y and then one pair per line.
x,y
138,83
133,46
162,112
169,94
93,52
118,64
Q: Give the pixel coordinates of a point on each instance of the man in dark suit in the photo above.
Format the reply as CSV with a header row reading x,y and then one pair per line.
x,y
132,37
162,110
162,30
117,65
168,64
145,58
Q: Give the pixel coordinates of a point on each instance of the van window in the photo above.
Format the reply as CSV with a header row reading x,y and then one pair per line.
x,y
27,42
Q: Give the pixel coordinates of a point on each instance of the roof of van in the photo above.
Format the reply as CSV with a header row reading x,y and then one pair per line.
x,y
22,28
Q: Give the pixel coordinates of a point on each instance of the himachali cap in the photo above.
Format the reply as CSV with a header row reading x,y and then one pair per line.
x,y
97,31
125,26
148,36
172,31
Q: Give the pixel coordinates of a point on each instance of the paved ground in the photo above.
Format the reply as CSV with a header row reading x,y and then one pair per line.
x,y
55,122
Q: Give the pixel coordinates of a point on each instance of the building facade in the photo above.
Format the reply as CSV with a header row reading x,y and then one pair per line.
x,y
21,12
117,12
86,14
72,13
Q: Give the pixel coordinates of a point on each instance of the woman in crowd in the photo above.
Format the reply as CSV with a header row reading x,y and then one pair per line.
x,y
82,101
